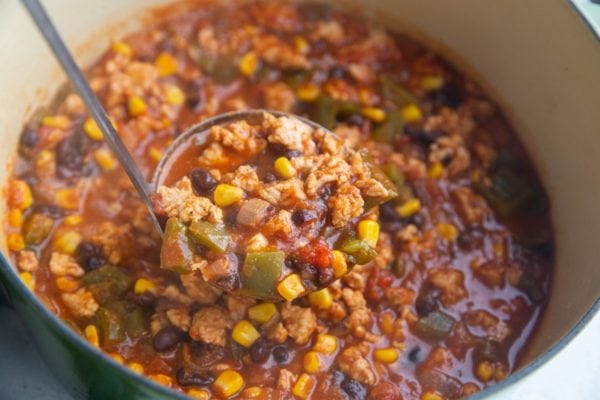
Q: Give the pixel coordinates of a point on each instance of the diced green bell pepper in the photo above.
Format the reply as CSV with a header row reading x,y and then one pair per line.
x,y
434,326
390,129
261,272
107,283
175,253
358,251
379,175
508,192
396,93
221,68
209,235
36,228
327,110
111,327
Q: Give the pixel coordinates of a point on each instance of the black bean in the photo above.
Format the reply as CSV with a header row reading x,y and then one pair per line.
x,y
388,213
145,300
260,351
166,339
420,136
354,389
185,378
299,217
305,270
339,72
292,154
90,256
450,96
194,94
29,138
54,212
70,152
413,354
231,218
425,304
325,276
202,181
281,354
269,177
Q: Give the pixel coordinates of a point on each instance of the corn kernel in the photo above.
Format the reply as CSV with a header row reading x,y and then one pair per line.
x,y
136,106
248,64
15,242
67,242
27,279
447,231
386,356
368,230
166,64
339,263
374,114
291,287
15,218
66,284
432,83
312,363
92,129
245,333
228,383
410,207
175,95
411,113
143,285
122,48
68,198
91,334
118,358
262,313
325,344
365,96
484,371
476,176
284,168
304,386
226,195
198,394
73,220
154,154
469,388
105,159
435,170
253,392
136,367
57,122
163,379
308,92
500,371
301,44
44,159
256,243
321,299
387,323
431,396
19,194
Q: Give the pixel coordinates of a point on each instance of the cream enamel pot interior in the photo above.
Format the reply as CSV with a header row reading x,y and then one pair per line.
x,y
536,57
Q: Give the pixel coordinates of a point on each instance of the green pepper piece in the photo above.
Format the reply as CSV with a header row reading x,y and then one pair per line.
x,y
175,252
396,93
394,174
358,251
211,236
261,272
346,109
111,327
508,192
135,322
434,326
220,67
379,175
390,129
107,283
36,228
325,111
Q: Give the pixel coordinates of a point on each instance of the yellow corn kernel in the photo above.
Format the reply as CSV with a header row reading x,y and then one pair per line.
x,y
67,242
374,114
136,367
368,230
256,243
476,176
226,195
386,356
92,129
364,96
166,122
484,371
136,106
325,344
68,198
312,363
431,83
500,371
154,154
248,64
262,313
66,284
44,159
321,299
143,285
15,218
499,250
447,231
163,379
435,170
56,121
19,194
73,220
15,242
175,95
122,48
228,383
291,287
469,388
253,392
431,396
27,279
245,333
339,263
118,358
411,113
301,44
387,323
410,207
284,168
198,394
166,64
308,92
304,386
91,334
105,159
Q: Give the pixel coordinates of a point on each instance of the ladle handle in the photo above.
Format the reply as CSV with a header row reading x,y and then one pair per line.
x,y
46,27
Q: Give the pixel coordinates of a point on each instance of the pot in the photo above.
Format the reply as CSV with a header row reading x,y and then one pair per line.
x,y
536,58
